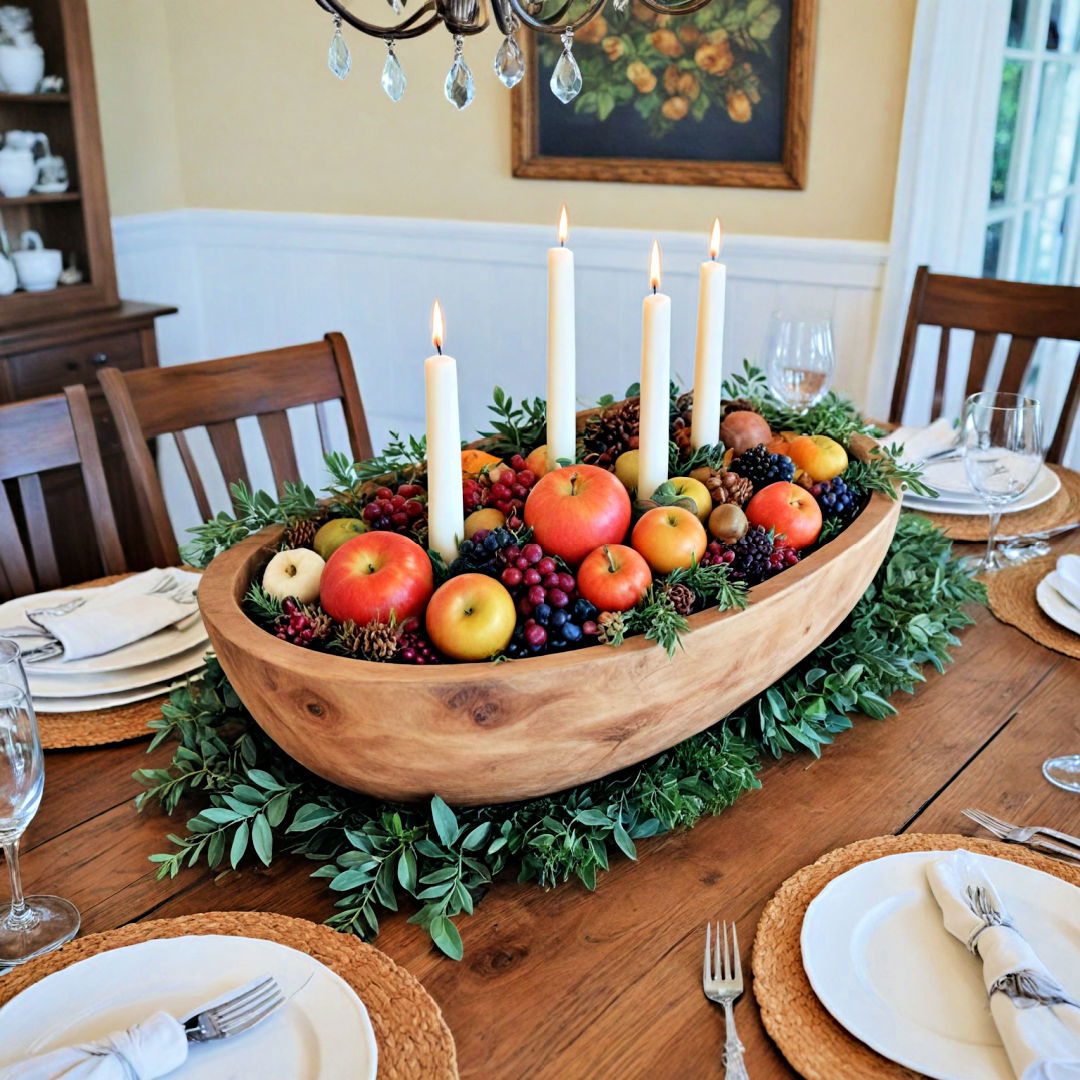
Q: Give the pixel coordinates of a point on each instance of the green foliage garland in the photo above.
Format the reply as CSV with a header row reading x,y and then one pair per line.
x,y
254,800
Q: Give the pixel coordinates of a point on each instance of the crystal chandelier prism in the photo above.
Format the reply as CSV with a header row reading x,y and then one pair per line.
x,y
464,18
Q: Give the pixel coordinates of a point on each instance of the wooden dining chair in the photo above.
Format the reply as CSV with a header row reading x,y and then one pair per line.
x,y
990,308
37,436
214,394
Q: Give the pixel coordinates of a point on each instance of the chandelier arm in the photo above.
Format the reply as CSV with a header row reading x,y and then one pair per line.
x,y
685,8
410,28
558,28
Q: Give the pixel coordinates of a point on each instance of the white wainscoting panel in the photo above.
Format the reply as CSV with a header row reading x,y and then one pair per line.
x,y
246,281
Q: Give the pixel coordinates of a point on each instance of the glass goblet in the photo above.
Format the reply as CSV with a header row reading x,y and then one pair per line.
x,y
32,925
1002,443
799,358
1063,772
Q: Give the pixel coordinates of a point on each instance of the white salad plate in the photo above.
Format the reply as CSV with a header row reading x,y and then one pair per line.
x,y
322,1033
88,683
1045,486
879,958
1054,606
93,702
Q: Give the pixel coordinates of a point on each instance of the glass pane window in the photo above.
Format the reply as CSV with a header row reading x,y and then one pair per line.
x,y
1021,18
1005,133
1063,26
1042,243
992,250
1053,149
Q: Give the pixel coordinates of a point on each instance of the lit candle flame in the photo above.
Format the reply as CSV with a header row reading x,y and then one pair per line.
x,y
654,265
438,327
564,226
716,239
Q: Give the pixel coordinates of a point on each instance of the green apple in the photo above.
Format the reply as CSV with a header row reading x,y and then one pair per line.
x,y
334,533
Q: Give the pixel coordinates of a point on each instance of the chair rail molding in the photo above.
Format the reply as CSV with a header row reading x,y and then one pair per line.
x,y
247,280
943,176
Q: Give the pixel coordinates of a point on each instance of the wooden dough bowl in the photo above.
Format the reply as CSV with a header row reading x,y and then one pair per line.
x,y
488,733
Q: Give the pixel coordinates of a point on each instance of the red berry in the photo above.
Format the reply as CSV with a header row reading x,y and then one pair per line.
x,y
384,493
414,508
371,512
524,607
547,565
517,461
519,491
526,478
589,627
536,636
480,535
500,491
522,563
551,581
566,582
537,595
400,518
531,576
511,576
512,552
533,552
557,598
397,502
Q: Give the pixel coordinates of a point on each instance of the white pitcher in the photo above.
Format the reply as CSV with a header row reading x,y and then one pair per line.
x,y
21,67
18,171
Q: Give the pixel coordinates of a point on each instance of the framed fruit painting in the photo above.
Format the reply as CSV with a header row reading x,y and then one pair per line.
x,y
717,97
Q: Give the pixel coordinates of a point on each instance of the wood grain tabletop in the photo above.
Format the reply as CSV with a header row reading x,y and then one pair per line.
x,y
569,984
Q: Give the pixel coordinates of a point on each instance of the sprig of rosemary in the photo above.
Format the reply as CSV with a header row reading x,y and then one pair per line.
x,y
712,585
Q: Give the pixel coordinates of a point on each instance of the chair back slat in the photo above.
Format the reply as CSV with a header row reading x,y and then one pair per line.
x,y
982,349
215,394
1024,312
225,439
277,435
194,478
1016,364
38,436
322,420
37,530
20,580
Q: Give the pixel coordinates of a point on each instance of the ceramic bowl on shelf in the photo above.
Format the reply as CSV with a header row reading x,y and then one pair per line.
x,y
38,267
486,733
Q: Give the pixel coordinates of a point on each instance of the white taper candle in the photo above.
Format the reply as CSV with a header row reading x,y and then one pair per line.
x,y
446,518
561,352
655,380
709,357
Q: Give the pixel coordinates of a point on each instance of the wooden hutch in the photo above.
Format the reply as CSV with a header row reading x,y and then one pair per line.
x,y
52,339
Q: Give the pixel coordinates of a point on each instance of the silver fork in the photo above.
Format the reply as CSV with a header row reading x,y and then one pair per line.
x,y
245,1009
1029,835
722,981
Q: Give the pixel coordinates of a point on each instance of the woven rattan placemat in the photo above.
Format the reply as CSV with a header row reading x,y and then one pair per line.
x,y
414,1041
1011,595
1063,508
121,723
815,1045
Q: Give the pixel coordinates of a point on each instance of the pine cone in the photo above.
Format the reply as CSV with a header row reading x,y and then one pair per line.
x,y
682,598
737,405
301,533
611,433
610,627
377,641
729,487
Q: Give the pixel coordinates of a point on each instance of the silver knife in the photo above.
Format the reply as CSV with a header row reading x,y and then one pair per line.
x,y
1044,534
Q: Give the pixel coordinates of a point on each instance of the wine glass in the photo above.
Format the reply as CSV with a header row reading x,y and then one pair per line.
x,y
1003,453
1064,771
799,357
33,924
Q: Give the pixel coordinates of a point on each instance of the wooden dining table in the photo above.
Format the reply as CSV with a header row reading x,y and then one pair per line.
x,y
569,984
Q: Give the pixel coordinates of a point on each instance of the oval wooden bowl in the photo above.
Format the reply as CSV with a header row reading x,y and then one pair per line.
x,y
488,733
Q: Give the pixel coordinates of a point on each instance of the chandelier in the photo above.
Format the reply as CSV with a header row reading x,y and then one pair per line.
x,y
462,19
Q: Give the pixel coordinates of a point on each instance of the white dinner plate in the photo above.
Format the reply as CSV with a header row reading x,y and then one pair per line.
x,y
88,683
1054,605
322,1033
93,702
1045,486
880,960
165,643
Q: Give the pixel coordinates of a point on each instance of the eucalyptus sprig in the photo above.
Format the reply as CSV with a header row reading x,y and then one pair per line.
x,y
517,428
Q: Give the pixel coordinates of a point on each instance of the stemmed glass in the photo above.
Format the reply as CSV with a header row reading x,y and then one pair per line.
x,y
799,357
33,924
1063,771
1003,453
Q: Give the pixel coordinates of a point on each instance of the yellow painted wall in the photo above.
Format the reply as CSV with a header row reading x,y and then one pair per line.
x,y
260,124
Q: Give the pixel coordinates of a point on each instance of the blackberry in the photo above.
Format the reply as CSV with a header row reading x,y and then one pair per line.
x,y
782,557
747,559
836,500
762,468
484,553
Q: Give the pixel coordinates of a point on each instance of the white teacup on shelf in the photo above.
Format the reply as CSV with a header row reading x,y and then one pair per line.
x,y
38,267
52,175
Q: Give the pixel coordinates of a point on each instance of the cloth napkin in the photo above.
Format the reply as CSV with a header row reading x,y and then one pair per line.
x,y
151,1049
115,615
1067,579
919,442
1038,1023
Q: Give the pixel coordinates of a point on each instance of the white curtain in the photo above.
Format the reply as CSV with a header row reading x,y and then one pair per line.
x,y
943,178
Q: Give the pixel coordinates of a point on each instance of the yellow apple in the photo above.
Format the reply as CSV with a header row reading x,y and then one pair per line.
x,y
334,533
471,617
295,573
626,469
820,457
669,537
689,488
488,518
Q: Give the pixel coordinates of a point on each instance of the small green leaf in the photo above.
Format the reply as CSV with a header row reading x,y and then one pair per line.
x,y
445,935
444,820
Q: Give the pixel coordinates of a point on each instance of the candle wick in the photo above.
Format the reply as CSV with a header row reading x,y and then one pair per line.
x,y
654,290
438,348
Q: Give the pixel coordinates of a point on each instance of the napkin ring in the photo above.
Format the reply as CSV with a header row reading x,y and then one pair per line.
x,y
1027,988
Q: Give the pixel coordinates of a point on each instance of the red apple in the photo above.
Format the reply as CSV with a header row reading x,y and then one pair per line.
x,y
789,509
575,509
614,577
375,575
669,537
471,617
